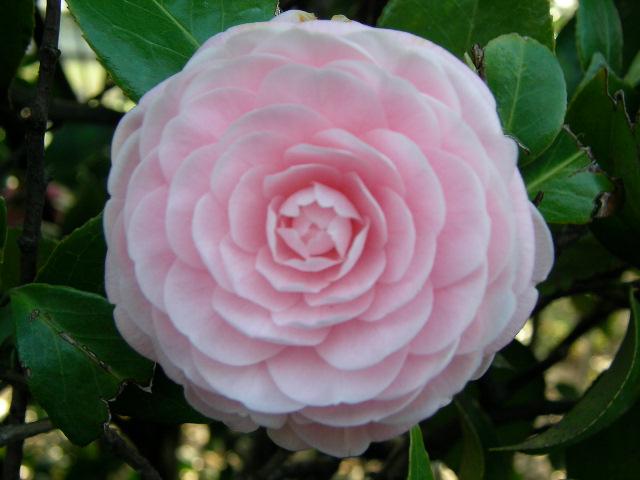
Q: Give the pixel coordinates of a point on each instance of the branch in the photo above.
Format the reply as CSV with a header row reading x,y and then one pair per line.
x,y
11,433
36,122
124,451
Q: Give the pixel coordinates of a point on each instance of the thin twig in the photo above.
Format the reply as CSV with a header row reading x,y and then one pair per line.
x,y
36,121
127,453
11,433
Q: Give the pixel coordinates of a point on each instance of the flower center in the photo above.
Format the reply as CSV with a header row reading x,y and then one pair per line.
x,y
316,221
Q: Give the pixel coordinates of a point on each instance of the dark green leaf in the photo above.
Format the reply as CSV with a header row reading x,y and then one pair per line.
x,y
78,260
568,185
611,453
10,268
419,463
567,55
478,436
598,29
611,395
73,356
164,403
601,123
529,87
142,42
457,25
16,25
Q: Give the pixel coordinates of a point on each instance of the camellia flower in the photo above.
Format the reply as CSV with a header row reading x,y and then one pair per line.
x,y
318,227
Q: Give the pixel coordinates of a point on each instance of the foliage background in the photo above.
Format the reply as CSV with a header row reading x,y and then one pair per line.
x,y
581,75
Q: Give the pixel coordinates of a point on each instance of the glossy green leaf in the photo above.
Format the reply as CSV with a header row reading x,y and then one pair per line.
x,y
10,268
611,453
457,25
78,260
598,29
142,42
478,436
601,123
73,356
611,395
568,181
16,26
419,463
164,402
530,90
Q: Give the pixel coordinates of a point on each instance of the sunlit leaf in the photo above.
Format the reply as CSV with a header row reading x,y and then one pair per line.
x,y
142,42
530,90
73,356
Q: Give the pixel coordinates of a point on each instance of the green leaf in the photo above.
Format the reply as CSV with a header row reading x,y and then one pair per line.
x,y
73,356
16,26
611,453
478,436
419,463
598,29
567,55
568,180
530,90
164,402
78,260
610,396
10,268
142,42
457,25
601,123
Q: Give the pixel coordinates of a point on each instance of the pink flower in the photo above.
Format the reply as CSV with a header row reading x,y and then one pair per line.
x,y
319,227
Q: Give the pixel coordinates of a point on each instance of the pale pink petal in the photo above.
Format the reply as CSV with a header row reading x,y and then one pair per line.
x,y
148,246
255,322
356,344
454,308
189,184
305,316
248,210
294,367
206,117
249,284
250,385
290,44
188,299
341,98
402,235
